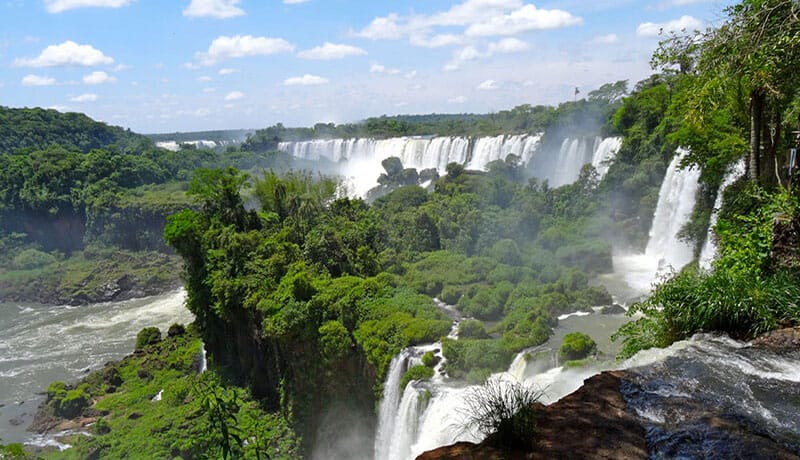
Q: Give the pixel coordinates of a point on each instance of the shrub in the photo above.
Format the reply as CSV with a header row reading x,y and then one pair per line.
x,y
472,329
67,403
147,336
32,258
176,330
451,294
504,412
415,373
576,345
429,359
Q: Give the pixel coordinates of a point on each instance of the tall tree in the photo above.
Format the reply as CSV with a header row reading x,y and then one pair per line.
x,y
754,54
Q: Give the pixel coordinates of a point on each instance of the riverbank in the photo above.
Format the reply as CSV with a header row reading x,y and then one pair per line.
x,y
161,401
710,396
92,276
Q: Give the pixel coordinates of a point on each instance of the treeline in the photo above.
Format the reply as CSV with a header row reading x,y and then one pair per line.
x,y
25,129
589,115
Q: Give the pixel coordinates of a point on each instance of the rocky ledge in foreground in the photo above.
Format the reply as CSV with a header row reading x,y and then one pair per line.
x,y
692,404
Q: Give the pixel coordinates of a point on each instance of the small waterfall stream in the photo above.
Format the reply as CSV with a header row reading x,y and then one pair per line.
x,y
709,251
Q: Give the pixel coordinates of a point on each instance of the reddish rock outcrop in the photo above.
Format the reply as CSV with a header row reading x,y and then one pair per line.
x,y
590,423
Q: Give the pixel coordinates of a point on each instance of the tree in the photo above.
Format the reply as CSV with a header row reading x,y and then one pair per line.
x,y
753,55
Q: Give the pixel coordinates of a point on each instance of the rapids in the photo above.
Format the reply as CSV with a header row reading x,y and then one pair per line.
x,y
41,344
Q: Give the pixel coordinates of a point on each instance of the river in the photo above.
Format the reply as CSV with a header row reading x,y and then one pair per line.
x,y
40,344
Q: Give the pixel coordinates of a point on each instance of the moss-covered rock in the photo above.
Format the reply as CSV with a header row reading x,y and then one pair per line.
x,y
576,346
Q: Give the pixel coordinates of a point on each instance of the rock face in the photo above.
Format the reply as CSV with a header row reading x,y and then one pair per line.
x,y
629,415
589,423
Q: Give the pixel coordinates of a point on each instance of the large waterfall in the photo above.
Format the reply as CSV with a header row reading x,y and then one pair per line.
x,y
360,159
665,251
709,251
676,201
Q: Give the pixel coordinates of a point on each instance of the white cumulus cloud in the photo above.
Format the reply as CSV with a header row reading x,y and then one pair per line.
x,y
84,98
238,46
234,96
330,51
475,18
524,19
36,80
305,80
488,85
470,53
220,9
98,78
66,54
457,100
682,24
507,46
608,39
227,71
379,68
58,6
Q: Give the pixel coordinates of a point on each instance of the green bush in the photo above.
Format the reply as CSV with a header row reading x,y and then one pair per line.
x,y
66,402
472,329
147,336
32,258
415,373
451,294
575,346
429,359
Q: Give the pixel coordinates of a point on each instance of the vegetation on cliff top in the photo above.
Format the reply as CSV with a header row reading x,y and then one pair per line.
x,y
734,95
155,403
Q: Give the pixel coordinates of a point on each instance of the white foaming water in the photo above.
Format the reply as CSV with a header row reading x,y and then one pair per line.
x,y
604,155
676,201
665,252
360,159
175,146
389,404
430,414
710,250
203,359
41,344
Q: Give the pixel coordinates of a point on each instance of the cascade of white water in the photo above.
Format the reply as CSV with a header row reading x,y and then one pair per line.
x,y
604,154
709,251
676,200
203,359
389,405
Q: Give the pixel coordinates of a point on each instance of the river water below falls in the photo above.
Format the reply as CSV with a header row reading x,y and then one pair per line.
x,y
40,344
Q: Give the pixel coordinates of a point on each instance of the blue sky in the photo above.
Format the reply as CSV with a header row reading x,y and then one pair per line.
x,y
185,65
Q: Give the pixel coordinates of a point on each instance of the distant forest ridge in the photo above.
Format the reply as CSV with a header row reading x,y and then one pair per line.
x,y
37,128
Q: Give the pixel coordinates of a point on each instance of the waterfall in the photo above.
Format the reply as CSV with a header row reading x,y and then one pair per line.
x,y
709,251
389,405
360,159
604,154
574,153
203,359
676,200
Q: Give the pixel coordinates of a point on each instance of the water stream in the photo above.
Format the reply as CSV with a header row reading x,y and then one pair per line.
x,y
41,344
